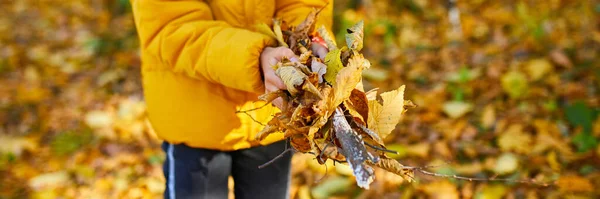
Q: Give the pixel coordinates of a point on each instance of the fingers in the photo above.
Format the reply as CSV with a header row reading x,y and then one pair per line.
x,y
284,52
319,50
277,102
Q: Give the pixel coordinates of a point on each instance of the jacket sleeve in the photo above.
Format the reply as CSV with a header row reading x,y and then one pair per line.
x,y
295,11
184,36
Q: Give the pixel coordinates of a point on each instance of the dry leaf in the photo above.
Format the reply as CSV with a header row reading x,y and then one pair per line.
x,y
514,139
573,183
319,68
347,79
329,40
264,29
440,190
291,77
384,117
354,38
360,103
506,163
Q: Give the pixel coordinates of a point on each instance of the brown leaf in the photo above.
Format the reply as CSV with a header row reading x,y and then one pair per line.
x,y
395,167
278,33
558,56
573,183
360,103
269,97
300,143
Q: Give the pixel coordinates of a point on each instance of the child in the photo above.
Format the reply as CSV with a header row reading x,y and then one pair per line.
x,y
202,61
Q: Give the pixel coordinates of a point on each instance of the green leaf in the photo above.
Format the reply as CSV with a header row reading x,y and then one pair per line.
x,y
70,141
515,84
585,141
334,65
354,38
331,186
579,114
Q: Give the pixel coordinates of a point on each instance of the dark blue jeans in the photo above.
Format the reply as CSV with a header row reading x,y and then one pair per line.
x,y
202,173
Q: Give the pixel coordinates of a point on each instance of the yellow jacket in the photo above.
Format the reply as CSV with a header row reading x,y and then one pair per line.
x,y
200,63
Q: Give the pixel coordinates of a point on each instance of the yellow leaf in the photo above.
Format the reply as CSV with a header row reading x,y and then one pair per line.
x,y
488,117
49,180
514,139
334,65
515,84
456,109
553,161
418,150
344,169
264,29
329,40
491,192
304,192
506,163
347,79
537,68
278,33
440,190
573,183
384,117
291,77
99,119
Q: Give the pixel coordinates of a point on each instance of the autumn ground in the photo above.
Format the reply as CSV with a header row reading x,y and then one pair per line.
x,y
505,89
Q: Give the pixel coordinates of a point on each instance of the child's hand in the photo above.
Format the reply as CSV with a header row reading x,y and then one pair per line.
x,y
319,50
269,57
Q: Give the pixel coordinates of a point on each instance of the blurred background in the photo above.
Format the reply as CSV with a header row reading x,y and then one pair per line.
x,y
505,89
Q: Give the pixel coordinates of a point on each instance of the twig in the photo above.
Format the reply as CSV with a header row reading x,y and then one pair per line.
x,y
321,178
418,169
380,149
245,111
323,151
253,118
276,158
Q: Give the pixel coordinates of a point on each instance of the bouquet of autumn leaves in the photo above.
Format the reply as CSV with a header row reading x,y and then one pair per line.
x,y
326,111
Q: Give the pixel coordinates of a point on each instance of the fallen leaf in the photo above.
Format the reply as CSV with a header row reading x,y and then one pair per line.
x,y
573,183
442,189
330,187
506,163
537,68
456,109
49,180
514,139
384,117
488,117
515,84
558,56
491,192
